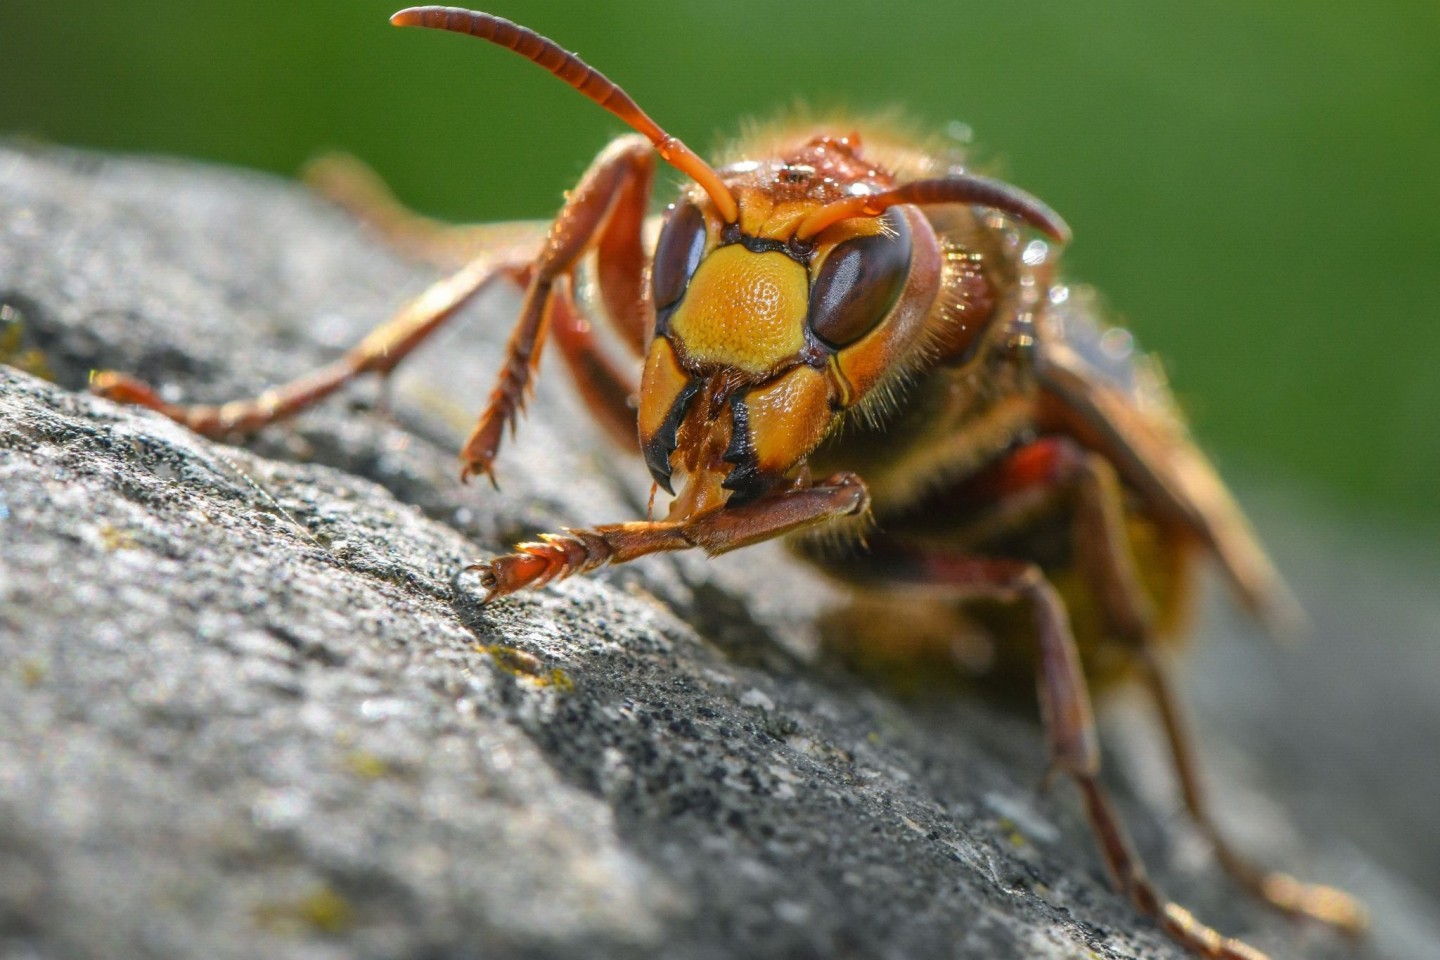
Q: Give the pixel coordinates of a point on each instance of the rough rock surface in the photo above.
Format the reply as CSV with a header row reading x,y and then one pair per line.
x,y
244,712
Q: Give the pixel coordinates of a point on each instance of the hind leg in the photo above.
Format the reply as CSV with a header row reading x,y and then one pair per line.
x,y
1110,563
1069,724
351,185
1056,472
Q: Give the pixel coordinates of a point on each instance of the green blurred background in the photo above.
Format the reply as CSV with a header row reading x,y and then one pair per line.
x,y
1253,186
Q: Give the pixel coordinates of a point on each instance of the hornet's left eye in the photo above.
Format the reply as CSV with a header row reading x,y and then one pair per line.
x,y
677,254
859,282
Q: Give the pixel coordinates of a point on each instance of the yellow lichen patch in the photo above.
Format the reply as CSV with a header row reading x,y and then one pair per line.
x,y
322,910
32,672
559,680
367,764
112,538
744,310
527,666
1012,833
326,910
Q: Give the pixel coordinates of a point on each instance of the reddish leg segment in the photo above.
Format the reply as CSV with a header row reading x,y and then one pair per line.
x,y
607,391
555,556
1325,904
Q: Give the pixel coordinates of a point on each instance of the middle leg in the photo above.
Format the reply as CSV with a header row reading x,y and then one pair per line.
x,y
378,353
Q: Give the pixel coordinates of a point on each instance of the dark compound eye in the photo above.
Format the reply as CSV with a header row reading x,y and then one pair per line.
x,y
677,254
859,282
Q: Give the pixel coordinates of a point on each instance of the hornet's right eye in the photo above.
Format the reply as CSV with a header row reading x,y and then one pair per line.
x,y
677,254
859,282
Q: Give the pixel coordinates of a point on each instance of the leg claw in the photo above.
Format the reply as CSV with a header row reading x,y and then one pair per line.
x,y
473,467
489,582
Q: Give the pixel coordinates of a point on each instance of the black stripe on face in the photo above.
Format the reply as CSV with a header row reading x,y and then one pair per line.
x,y
801,251
745,482
659,447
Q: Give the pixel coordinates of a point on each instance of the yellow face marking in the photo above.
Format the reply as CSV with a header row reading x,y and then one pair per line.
x,y
744,310
755,207
784,218
660,384
788,418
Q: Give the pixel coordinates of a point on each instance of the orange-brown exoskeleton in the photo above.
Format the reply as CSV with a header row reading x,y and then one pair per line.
x,y
1002,448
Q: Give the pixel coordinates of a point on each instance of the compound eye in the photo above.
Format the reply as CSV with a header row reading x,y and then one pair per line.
x,y
859,282
677,254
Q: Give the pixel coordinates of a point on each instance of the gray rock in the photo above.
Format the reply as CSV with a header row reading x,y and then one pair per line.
x,y
244,712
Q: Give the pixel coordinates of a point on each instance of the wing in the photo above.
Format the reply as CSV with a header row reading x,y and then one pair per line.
x,y
1115,400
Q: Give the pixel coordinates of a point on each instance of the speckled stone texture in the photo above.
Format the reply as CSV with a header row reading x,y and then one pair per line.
x,y
244,712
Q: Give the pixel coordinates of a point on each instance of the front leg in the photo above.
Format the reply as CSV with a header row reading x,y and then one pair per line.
x,y
580,551
620,175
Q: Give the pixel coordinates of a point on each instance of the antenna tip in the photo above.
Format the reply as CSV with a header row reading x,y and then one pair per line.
x,y
409,17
